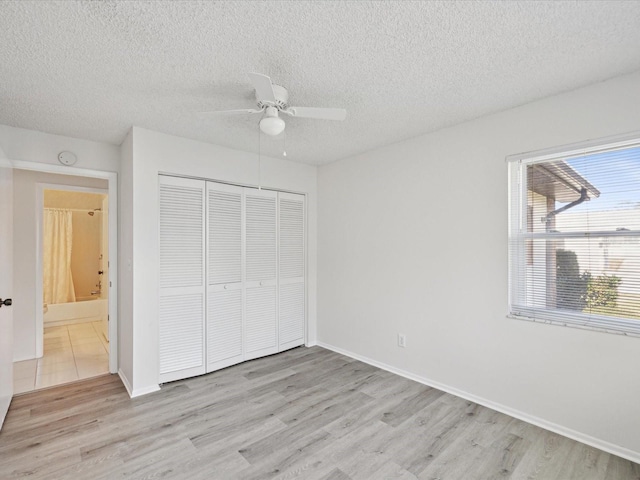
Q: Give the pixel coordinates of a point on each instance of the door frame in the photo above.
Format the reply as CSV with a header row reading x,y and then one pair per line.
x,y
112,191
40,188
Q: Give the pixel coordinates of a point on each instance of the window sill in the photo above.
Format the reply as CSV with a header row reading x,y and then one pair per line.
x,y
576,324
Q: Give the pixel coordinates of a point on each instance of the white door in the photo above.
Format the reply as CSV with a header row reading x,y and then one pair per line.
x,y
261,258
291,253
225,224
182,282
6,287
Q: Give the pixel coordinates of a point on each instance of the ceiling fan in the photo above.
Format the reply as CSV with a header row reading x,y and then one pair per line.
x,y
272,100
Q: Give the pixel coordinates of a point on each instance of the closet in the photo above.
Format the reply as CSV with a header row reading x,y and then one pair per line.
x,y
232,279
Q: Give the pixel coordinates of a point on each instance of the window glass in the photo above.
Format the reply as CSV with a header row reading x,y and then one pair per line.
x,y
575,239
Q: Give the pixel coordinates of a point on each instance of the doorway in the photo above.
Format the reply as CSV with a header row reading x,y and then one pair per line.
x,y
74,272
64,339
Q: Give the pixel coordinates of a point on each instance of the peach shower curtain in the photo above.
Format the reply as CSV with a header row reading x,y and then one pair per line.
x,y
57,244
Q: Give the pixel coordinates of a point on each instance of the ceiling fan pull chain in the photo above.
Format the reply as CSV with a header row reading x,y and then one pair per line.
x,y
259,159
284,147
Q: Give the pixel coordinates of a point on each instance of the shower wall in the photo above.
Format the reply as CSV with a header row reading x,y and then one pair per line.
x,y
85,254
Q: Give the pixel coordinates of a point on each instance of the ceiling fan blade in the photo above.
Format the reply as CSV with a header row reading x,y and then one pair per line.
x,y
231,112
320,113
263,87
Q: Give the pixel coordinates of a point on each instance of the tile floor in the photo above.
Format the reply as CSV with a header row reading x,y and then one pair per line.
x,y
71,352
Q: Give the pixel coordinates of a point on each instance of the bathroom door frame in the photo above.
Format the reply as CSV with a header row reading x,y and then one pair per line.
x,y
112,192
40,188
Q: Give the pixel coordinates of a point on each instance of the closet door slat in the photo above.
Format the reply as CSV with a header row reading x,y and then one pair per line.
x,y
260,330
291,279
181,229
224,328
291,236
225,234
291,298
180,332
182,288
261,234
225,219
261,255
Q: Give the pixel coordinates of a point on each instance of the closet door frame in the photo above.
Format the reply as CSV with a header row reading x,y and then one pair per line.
x,y
275,282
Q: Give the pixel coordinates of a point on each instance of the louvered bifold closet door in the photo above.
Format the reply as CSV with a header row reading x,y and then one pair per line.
x,y
260,327
182,287
224,275
291,292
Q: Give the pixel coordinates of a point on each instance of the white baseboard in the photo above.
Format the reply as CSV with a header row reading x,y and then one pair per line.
x,y
4,406
139,391
125,382
539,422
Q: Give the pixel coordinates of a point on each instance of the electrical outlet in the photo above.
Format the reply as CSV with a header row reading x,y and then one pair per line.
x,y
402,340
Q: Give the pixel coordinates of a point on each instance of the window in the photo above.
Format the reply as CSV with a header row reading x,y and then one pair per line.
x,y
574,236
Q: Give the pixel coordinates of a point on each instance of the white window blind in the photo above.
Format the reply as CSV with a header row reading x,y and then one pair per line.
x,y
574,237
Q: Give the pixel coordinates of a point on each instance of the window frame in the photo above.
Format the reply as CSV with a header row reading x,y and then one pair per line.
x,y
518,253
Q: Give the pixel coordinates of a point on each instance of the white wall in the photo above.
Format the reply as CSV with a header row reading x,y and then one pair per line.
x,y
40,147
24,250
125,249
413,239
154,153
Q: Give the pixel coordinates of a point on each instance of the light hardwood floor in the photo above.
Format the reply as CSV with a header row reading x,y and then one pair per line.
x,y
307,414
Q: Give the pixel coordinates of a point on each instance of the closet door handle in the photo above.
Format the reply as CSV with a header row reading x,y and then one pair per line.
x,y
7,302
225,287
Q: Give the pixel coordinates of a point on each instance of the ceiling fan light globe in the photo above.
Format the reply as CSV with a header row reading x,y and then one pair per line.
x,y
272,125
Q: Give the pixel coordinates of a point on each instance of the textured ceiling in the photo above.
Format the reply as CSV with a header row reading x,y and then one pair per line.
x,y
92,69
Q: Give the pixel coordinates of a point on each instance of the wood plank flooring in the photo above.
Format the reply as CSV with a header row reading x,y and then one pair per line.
x,y
303,414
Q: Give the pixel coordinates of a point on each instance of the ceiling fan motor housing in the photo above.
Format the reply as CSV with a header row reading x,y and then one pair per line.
x,y
282,98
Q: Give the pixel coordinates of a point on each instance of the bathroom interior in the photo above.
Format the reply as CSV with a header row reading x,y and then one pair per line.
x,y
74,257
